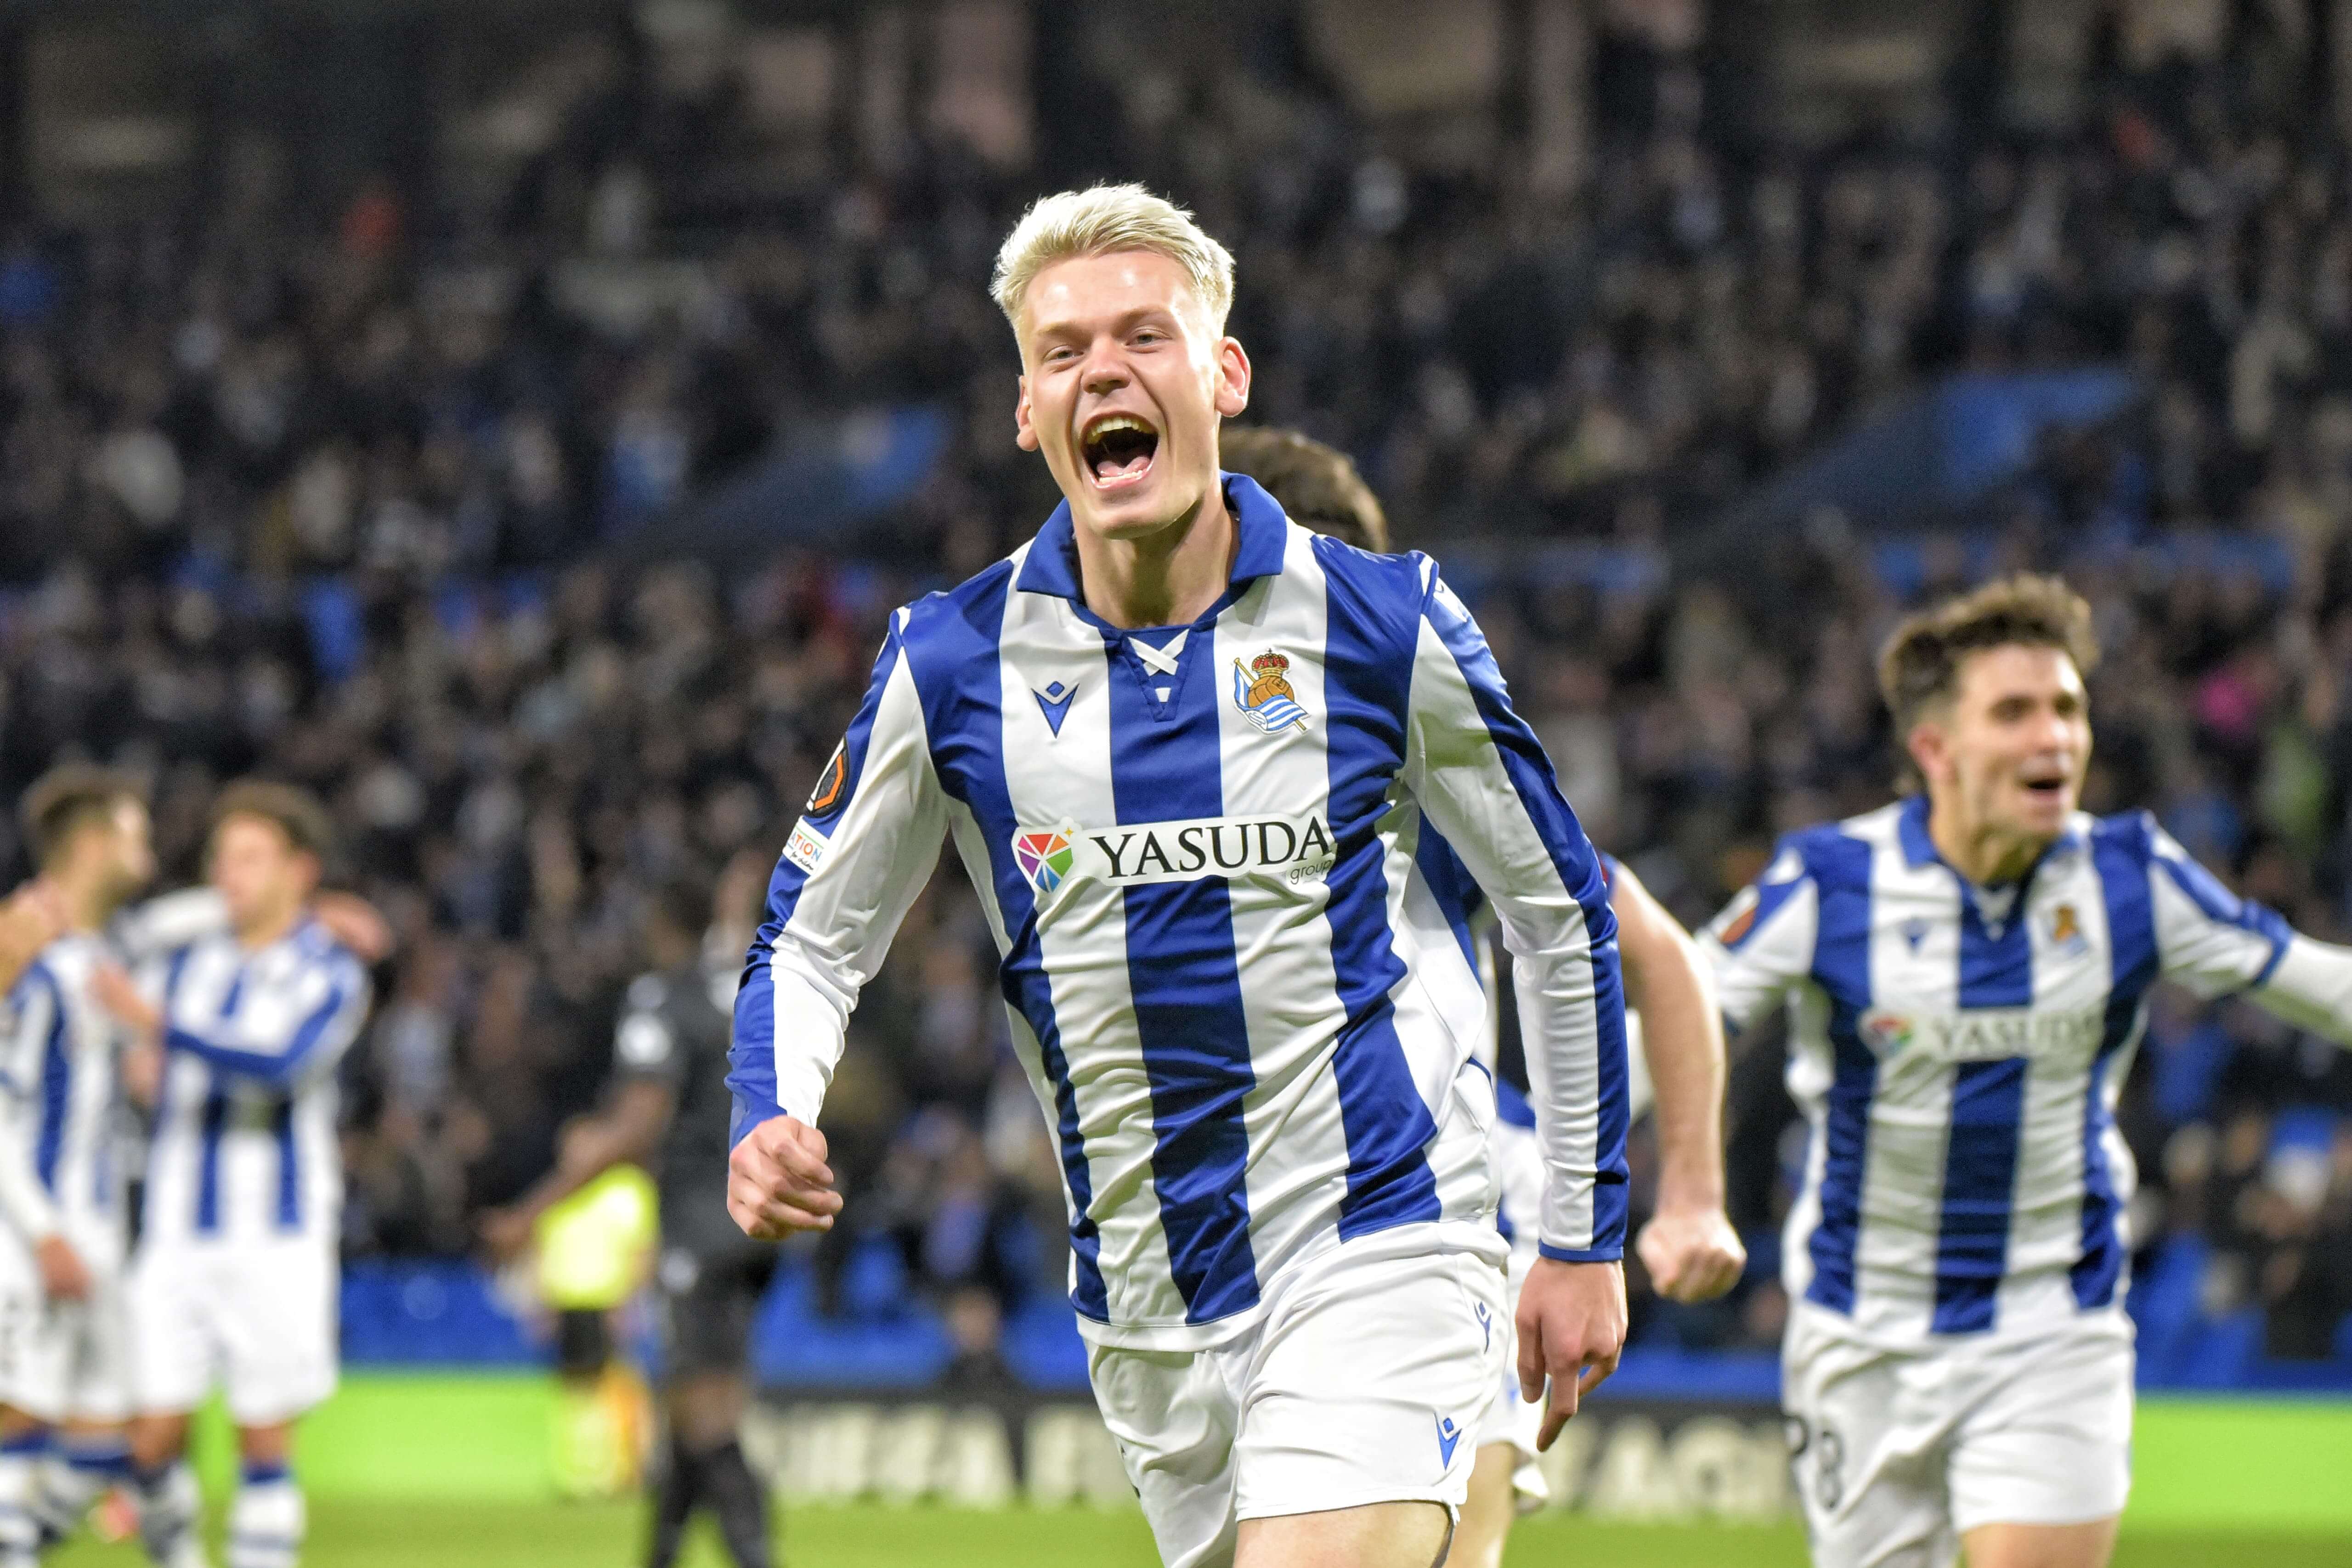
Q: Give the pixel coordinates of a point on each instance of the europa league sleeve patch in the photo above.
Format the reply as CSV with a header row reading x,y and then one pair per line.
x,y
831,784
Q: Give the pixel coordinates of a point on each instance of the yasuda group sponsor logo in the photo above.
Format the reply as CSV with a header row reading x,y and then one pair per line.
x,y
1295,851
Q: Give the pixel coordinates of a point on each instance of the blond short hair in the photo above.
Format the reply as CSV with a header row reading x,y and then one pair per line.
x,y
1108,218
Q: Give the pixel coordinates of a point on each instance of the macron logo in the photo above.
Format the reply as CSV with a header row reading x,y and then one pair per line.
x,y
1449,1438
1054,702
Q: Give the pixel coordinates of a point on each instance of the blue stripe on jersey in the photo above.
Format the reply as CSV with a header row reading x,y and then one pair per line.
x,y
289,1170
752,1071
951,653
1367,679
215,1117
1512,1105
1184,977
1451,884
2119,852
1840,867
1987,1108
2217,903
56,1083
1577,864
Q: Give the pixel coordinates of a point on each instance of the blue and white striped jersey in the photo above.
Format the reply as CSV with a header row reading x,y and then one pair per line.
x,y
1957,1053
58,1170
244,1143
1193,845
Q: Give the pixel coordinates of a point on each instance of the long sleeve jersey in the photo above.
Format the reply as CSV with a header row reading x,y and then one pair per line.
x,y
244,1146
58,1170
1957,1051
1193,846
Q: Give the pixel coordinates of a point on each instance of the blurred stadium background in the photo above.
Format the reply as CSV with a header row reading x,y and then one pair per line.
x,y
514,419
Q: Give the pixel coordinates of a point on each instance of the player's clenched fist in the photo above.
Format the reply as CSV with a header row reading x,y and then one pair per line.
x,y
1692,1254
1571,1323
778,1182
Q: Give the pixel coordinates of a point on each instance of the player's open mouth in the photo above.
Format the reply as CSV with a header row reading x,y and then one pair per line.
x,y
1117,449
2044,785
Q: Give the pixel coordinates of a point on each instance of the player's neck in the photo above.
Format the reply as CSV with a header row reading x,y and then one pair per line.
x,y
269,926
1987,855
1166,579
82,900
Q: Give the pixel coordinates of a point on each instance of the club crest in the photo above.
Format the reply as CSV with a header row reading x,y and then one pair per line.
x,y
2066,930
1045,858
1262,691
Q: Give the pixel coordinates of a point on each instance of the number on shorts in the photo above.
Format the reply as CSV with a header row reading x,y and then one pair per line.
x,y
1829,1485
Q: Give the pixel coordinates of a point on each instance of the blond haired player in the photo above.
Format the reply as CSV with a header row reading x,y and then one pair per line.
x,y
1184,748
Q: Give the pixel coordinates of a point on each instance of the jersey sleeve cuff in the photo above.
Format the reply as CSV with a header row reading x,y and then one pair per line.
x,y
749,1115
1614,1253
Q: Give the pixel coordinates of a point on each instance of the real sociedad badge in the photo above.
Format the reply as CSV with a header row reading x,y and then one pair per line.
x,y
1262,691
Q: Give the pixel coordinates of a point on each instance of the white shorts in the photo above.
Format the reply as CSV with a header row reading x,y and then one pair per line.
x,y
259,1317
1900,1453
1365,1381
62,1361
1511,1421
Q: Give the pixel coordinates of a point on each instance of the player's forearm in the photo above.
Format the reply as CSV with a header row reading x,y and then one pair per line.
x,y
2311,988
273,1067
1682,1042
790,1027
1574,1007
24,1203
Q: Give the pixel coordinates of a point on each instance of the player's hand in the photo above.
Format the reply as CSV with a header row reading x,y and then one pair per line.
x,y
1692,1254
507,1233
117,996
356,924
778,1182
142,1069
63,1274
1571,1323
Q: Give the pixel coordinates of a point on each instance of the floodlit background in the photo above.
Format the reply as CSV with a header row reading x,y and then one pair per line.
x,y
516,419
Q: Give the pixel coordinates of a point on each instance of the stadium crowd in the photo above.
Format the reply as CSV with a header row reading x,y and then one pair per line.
x,y
314,499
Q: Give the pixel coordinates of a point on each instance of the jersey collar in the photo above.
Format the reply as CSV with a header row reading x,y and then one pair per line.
x,y
1919,847
1052,564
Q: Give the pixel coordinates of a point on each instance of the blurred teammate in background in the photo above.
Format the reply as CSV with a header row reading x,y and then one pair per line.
x,y
1674,1034
1169,735
235,1272
63,1378
1966,973
669,1109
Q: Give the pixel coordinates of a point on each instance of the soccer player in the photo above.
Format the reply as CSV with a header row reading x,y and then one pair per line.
x,y
236,1264
1966,974
1689,1246
63,1394
672,1108
1184,748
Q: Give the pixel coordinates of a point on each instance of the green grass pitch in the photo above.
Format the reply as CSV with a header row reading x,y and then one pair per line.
x,y
346,1534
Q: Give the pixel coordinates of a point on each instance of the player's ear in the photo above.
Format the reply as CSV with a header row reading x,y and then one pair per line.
x,y
1024,434
1233,377
1930,749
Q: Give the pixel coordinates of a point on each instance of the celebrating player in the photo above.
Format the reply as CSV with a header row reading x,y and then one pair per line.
x,y
1966,973
61,1250
671,1051
1184,749
1689,1246
237,1266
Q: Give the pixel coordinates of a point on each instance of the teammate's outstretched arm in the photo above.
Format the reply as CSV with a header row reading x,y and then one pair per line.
x,y
1688,1246
1480,773
336,1006
852,868
2217,944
